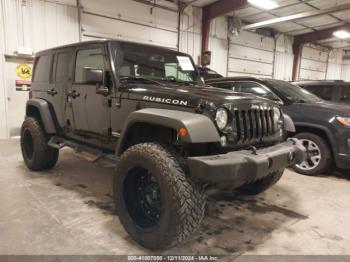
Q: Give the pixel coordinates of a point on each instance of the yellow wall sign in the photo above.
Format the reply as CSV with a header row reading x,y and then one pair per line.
x,y
24,71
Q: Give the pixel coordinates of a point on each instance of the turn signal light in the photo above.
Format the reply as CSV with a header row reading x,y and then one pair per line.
x,y
182,132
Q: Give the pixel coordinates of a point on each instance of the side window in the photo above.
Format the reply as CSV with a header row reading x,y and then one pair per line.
x,y
324,92
43,68
88,58
256,89
345,94
61,68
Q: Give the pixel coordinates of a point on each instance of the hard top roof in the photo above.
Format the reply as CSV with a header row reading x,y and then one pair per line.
x,y
98,41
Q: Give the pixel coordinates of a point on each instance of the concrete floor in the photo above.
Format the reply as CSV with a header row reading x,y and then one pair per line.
x,y
68,210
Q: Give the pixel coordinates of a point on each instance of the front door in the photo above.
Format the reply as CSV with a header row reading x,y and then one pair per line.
x,y
90,112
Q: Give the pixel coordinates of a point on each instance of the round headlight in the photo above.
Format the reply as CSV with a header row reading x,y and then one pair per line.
x,y
221,118
276,113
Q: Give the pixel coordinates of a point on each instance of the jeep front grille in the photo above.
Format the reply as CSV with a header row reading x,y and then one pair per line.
x,y
253,124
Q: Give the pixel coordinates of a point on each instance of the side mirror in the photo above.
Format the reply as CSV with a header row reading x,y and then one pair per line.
x,y
92,75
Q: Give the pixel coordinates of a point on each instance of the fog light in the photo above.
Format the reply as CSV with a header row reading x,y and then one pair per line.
x,y
223,141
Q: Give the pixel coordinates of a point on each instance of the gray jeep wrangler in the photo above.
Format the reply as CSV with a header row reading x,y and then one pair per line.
x,y
146,109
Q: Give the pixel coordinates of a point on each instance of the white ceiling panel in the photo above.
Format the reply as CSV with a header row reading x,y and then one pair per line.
x,y
199,2
324,4
286,2
292,10
287,27
344,15
328,26
259,17
300,32
248,11
317,21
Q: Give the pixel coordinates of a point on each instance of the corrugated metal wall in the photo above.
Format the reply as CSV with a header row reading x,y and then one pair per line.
x,y
335,62
345,72
3,121
37,25
190,32
283,65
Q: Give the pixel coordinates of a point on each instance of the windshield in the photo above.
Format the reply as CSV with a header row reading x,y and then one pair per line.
x,y
141,62
291,92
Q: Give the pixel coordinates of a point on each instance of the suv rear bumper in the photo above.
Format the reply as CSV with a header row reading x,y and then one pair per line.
x,y
246,166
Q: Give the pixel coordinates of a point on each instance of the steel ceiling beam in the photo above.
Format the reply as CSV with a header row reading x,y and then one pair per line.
x,y
319,35
300,40
297,17
215,10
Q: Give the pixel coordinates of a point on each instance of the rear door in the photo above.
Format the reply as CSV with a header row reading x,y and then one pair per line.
x,y
61,79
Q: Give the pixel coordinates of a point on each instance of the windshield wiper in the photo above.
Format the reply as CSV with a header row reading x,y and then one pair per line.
x,y
140,78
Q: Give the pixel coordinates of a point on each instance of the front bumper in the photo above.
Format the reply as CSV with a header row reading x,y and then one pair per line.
x,y
241,167
342,161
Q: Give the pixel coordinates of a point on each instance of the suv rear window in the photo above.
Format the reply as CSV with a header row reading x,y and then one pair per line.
x,y
43,68
324,92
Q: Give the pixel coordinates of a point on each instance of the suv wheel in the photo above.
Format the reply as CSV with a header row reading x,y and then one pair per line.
x,y
318,155
36,153
261,185
157,205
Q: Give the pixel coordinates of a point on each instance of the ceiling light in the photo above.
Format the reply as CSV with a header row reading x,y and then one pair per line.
x,y
264,4
341,34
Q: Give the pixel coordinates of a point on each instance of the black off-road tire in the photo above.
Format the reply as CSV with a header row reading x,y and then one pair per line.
x,y
261,185
37,155
326,156
182,201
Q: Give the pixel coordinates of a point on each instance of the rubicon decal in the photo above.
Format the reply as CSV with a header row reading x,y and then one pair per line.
x,y
165,100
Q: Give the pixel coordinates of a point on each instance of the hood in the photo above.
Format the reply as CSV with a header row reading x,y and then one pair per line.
x,y
331,108
191,96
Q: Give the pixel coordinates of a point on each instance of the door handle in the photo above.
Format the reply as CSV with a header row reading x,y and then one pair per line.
x,y
52,92
74,94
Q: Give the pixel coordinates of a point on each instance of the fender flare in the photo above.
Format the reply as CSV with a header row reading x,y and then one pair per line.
x,y
45,114
321,128
200,129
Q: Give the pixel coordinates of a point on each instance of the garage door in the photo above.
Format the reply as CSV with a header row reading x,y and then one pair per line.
x,y
252,55
145,24
313,63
